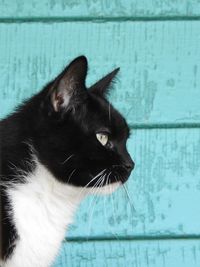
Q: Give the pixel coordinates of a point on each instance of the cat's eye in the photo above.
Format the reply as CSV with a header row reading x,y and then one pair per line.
x,y
102,138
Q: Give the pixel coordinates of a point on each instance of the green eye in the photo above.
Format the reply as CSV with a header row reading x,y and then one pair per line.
x,y
102,138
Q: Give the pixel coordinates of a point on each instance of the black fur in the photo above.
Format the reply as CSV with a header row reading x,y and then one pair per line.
x,y
59,124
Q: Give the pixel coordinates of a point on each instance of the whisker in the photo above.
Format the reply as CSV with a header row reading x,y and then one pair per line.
x,y
71,175
130,201
105,212
127,194
85,187
100,182
67,159
100,173
112,203
115,217
133,210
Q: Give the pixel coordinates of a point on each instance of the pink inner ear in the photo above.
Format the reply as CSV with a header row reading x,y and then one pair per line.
x,y
58,100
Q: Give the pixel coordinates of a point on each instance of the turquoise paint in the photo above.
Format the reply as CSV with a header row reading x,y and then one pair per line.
x,y
88,9
157,90
158,63
151,253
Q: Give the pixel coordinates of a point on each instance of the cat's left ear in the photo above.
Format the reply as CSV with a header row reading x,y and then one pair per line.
x,y
69,87
101,87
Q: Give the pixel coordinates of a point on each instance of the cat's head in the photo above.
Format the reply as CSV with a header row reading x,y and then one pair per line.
x,y
82,138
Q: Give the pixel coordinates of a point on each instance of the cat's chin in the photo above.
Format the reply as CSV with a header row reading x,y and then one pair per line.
x,y
106,190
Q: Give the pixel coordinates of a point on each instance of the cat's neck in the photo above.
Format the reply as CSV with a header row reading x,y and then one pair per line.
x,y
44,188
42,210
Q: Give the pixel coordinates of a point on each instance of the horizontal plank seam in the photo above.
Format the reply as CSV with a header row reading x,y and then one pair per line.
x,y
132,238
164,125
99,19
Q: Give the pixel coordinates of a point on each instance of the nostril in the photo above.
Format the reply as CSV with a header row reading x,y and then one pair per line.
x,y
129,166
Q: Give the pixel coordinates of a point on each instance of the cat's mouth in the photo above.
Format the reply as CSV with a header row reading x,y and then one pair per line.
x,y
120,173
110,179
107,189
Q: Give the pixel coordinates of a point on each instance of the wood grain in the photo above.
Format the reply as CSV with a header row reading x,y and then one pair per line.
x,y
164,189
164,253
94,9
156,44
159,79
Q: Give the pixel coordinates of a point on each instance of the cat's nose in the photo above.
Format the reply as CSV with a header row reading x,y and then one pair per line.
x,y
129,165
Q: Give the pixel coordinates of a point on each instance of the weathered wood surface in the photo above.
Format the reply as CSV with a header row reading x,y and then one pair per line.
x,y
167,253
158,87
164,189
159,81
95,9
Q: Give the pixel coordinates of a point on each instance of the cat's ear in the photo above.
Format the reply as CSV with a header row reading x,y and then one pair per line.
x,y
101,87
69,86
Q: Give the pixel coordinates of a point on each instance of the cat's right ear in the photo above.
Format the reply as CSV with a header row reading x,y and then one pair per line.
x,y
68,88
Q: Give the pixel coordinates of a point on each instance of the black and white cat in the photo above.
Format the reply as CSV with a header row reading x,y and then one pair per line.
x,y
56,148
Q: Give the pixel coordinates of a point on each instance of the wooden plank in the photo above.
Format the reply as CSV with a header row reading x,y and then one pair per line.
x,y
165,253
159,79
94,9
164,189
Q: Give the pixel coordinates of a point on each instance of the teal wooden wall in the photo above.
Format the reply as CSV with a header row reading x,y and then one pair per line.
x,y
157,45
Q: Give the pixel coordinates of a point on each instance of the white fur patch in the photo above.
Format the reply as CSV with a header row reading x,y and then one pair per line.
x,y
42,210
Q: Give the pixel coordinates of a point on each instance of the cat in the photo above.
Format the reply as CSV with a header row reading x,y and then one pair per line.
x,y
59,146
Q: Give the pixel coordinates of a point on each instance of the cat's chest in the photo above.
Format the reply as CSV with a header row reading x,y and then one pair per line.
x,y
42,209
